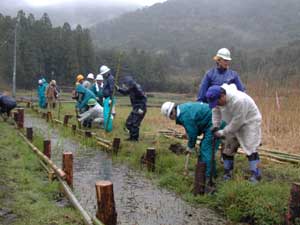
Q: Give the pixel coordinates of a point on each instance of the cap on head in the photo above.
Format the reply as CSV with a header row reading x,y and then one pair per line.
x,y
212,95
40,81
104,69
99,77
53,82
167,108
223,53
92,102
90,76
79,78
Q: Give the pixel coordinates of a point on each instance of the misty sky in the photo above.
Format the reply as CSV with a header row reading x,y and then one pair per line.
x,y
45,3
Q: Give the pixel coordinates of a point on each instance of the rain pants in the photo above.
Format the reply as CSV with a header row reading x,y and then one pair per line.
x,y
196,117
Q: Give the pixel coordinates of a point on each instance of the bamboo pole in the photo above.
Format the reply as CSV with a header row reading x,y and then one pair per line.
x,y
57,170
67,190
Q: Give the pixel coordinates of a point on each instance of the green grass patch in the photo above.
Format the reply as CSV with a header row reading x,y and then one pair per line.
x,y
25,190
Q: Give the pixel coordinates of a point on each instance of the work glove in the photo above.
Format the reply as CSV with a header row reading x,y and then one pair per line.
x,y
189,150
219,134
214,129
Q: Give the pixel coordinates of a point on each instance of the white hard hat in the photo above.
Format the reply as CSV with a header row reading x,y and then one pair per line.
x,y
104,69
99,77
90,76
224,53
166,108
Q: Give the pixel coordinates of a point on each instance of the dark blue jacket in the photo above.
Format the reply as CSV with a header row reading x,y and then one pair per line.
x,y
216,76
108,86
137,96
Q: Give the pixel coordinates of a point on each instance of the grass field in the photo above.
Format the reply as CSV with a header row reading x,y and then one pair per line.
x,y
238,200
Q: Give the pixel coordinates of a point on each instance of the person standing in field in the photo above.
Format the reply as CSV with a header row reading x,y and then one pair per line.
x,y
97,89
196,118
243,120
138,101
219,75
41,93
51,94
89,81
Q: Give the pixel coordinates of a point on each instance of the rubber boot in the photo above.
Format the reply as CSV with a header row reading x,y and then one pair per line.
x,y
255,171
228,168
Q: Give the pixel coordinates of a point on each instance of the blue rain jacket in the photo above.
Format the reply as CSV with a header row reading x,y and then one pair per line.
x,y
217,76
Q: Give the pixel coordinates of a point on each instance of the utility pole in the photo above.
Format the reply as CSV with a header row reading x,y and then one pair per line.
x,y
15,62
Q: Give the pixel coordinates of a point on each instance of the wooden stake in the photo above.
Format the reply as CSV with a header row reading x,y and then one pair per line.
x,y
294,205
88,134
47,148
150,159
116,145
68,167
16,117
106,211
20,118
66,120
199,185
49,117
29,133
74,128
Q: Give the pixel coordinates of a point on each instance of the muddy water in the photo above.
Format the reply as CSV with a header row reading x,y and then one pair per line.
x,y
138,201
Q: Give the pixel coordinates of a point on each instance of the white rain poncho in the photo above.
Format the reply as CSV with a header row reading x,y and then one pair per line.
x,y
95,113
242,117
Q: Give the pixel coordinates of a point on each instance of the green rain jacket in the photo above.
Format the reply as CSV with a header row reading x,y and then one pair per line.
x,y
195,117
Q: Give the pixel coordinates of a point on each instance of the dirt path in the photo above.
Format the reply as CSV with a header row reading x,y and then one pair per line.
x,y
138,201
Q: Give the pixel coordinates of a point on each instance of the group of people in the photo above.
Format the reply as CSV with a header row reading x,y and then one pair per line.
x,y
47,94
96,101
223,113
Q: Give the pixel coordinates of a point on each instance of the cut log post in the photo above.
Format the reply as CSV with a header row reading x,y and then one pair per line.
x,y
199,185
116,145
106,211
150,159
68,167
20,118
29,133
88,134
74,128
49,117
66,120
16,117
47,148
44,115
294,205
28,105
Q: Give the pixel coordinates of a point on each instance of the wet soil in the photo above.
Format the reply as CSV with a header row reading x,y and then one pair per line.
x,y
138,201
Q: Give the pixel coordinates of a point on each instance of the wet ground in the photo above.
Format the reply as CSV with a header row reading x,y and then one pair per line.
x,y
138,201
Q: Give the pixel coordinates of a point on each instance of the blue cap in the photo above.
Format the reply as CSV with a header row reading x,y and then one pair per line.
x,y
212,95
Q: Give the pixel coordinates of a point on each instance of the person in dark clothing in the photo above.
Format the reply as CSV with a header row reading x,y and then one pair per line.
x,y
138,101
7,103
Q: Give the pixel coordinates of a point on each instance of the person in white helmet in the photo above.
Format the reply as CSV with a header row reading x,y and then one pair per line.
x,y
219,75
89,81
196,118
109,99
97,89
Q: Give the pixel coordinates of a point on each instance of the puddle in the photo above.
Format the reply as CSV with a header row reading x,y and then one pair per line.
x,y
138,201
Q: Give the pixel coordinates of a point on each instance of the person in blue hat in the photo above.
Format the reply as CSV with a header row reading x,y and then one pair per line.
x,y
243,128
138,101
195,117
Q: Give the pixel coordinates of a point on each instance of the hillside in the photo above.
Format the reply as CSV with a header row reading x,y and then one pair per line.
x,y
203,25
